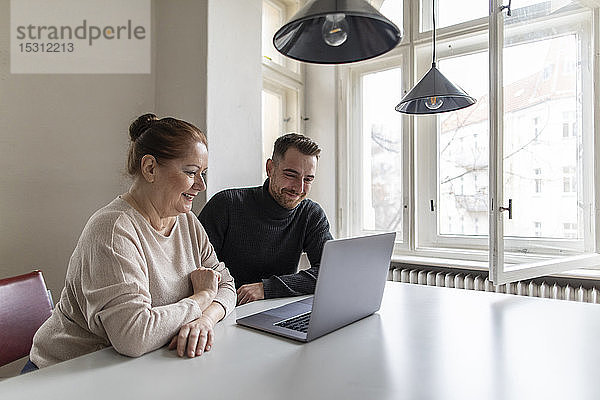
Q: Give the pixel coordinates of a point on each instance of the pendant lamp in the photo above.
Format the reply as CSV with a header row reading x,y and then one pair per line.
x,y
336,32
434,93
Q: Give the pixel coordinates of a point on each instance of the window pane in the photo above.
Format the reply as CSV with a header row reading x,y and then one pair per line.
x,y
274,14
382,205
452,12
272,19
542,157
392,10
272,121
463,151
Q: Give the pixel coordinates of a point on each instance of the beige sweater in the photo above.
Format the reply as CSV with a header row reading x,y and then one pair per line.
x,y
126,286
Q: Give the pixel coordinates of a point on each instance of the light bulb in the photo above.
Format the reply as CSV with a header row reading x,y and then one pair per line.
x,y
335,29
433,103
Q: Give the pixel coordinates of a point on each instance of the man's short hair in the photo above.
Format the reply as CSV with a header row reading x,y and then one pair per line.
x,y
303,144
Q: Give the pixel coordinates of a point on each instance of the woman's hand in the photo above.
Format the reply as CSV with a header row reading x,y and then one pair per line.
x,y
194,338
205,280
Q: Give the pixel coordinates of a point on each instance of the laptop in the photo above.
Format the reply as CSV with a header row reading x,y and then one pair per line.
x,y
349,287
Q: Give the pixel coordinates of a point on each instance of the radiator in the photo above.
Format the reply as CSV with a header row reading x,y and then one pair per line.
x,y
479,281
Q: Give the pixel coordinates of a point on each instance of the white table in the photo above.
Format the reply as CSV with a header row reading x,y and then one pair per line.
x,y
424,343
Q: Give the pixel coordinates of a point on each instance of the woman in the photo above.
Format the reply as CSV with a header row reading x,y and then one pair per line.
x,y
143,273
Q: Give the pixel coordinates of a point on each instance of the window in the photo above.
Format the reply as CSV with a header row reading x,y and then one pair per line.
x,y
378,148
459,139
393,10
537,226
565,129
565,125
569,182
448,13
382,158
376,162
532,58
536,129
283,83
570,230
443,166
272,126
273,17
548,71
546,151
538,180
569,126
275,14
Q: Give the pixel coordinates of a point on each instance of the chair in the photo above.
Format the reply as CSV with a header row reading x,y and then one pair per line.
x,y
24,306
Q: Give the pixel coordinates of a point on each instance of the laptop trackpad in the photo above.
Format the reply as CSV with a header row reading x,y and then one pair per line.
x,y
291,309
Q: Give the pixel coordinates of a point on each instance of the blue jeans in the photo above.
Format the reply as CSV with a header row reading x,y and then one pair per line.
x,y
29,367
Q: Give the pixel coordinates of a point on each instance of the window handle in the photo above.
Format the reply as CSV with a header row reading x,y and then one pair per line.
x,y
431,205
509,209
502,8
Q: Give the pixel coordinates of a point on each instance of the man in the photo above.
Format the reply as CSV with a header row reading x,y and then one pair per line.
x,y
260,232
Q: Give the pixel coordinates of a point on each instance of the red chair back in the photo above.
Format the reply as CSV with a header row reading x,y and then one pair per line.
x,y
24,306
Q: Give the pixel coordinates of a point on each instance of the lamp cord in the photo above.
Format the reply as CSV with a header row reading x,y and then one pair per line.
x,y
433,11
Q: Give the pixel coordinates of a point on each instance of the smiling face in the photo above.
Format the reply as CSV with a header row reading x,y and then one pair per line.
x,y
178,181
291,177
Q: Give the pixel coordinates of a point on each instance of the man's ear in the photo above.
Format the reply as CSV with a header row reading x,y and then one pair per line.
x,y
269,166
149,168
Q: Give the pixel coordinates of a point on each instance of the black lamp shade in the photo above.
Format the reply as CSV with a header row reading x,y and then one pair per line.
x,y
434,86
369,34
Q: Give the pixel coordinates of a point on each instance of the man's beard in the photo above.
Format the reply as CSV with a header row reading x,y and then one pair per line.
x,y
285,202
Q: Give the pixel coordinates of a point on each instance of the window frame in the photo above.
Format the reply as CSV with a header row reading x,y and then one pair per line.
x,y
288,8
500,270
397,59
427,162
287,80
412,244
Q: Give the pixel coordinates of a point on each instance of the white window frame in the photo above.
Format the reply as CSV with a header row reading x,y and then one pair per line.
x,y
397,59
288,8
501,271
465,37
429,241
287,80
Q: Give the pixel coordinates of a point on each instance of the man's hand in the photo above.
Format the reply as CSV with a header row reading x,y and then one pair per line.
x,y
250,292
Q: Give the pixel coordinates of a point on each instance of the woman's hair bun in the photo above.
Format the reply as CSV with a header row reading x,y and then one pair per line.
x,y
140,125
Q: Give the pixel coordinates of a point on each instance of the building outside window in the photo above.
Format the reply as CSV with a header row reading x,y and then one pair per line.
x,y
537,229
570,229
538,180
569,181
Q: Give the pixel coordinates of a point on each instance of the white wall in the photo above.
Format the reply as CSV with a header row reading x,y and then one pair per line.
x,y
234,86
63,138
180,63
63,141
320,108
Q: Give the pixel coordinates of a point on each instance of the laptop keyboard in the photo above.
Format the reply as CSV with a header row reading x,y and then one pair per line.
x,y
298,323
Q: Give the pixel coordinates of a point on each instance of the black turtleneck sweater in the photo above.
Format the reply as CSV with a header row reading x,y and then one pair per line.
x,y
258,240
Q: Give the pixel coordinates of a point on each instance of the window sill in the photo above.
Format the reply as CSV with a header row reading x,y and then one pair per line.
x,y
479,265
